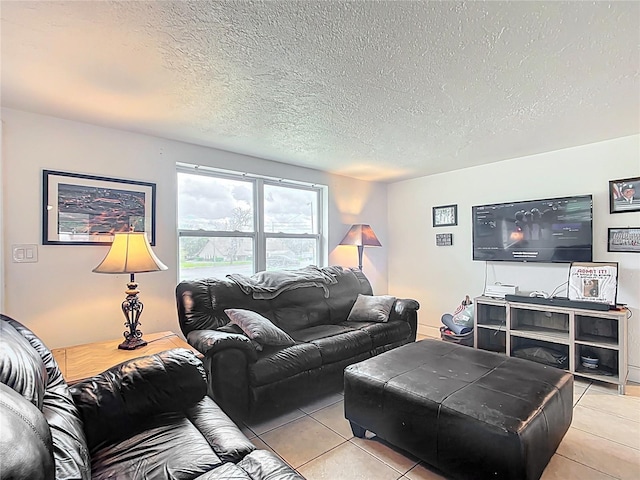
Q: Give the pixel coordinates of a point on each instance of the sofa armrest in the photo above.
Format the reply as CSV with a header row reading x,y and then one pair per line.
x,y
210,342
224,436
266,465
406,309
116,403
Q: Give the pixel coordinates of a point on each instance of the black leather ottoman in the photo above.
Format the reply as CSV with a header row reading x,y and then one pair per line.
x,y
470,413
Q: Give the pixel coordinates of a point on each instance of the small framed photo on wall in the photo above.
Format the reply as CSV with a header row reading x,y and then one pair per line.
x,y
444,239
445,216
624,195
624,240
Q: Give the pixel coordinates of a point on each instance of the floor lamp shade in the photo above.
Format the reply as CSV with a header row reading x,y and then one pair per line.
x,y
131,253
361,235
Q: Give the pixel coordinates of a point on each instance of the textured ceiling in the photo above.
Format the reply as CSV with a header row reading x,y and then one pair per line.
x,y
374,90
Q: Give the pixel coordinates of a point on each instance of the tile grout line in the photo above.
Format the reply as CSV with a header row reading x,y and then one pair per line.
x,y
402,474
290,421
281,425
322,408
381,460
605,438
318,456
588,466
361,448
580,397
622,417
304,414
600,390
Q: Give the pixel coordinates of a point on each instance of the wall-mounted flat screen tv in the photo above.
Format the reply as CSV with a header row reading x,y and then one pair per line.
x,y
550,230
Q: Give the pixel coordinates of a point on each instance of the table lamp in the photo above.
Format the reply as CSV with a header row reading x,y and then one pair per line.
x,y
362,236
131,253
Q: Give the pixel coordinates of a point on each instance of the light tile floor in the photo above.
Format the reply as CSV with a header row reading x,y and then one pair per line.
x,y
603,441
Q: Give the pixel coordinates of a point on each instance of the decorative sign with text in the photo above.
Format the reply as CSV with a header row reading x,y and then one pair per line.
x,y
593,282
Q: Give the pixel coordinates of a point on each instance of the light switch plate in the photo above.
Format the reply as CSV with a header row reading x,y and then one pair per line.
x,y
25,253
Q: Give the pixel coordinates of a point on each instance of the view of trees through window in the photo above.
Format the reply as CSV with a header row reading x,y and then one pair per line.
x,y
231,224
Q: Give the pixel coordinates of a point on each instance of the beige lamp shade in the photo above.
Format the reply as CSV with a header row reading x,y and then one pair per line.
x,y
361,235
130,253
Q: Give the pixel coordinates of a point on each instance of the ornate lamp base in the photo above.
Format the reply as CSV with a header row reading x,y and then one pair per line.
x,y
132,344
132,309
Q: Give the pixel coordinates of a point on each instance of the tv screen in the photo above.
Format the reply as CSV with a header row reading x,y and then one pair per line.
x,y
551,230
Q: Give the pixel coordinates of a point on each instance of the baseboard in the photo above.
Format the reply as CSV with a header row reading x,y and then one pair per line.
x,y
428,331
634,374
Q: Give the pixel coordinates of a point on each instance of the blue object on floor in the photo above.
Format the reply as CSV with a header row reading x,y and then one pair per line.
x,y
447,319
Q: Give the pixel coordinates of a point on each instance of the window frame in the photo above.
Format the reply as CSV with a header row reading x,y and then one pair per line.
x,y
259,236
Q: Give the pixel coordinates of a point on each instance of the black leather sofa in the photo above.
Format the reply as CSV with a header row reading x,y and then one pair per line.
x,y
242,379
146,419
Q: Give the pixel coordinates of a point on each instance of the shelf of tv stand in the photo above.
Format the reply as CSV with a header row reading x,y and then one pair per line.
x,y
597,375
560,328
597,341
492,326
541,333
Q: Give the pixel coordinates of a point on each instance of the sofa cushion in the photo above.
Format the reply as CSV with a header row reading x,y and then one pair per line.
x,y
169,447
335,342
307,335
258,328
276,363
117,402
371,308
383,333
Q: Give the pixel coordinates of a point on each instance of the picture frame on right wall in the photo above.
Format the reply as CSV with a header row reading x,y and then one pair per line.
x,y
445,216
624,195
624,240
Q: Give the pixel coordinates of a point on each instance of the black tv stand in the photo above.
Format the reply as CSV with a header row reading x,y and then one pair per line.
x,y
558,302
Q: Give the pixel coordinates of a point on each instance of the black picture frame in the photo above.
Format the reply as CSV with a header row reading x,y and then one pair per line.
x,y
624,239
79,209
444,239
445,216
618,190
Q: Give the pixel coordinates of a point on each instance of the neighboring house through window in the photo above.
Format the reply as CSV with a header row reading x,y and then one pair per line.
x,y
240,223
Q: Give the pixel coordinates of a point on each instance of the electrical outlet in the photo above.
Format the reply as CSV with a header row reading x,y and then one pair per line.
x,y
26,253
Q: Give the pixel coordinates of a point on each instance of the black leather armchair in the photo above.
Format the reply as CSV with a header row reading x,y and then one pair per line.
x,y
148,418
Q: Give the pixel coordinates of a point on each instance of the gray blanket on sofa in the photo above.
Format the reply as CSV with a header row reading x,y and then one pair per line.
x,y
267,285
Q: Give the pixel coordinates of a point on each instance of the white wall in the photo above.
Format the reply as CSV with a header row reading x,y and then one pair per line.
x,y
439,277
2,239
59,298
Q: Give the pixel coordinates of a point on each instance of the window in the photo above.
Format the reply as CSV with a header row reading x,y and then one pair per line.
x,y
233,223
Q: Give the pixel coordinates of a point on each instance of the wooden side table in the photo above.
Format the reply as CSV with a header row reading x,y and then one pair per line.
x,y
80,362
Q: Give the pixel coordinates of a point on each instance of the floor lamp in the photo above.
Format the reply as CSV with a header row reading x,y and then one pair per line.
x,y
361,235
